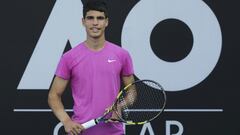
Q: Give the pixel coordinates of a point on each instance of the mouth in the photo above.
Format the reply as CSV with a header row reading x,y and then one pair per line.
x,y
94,29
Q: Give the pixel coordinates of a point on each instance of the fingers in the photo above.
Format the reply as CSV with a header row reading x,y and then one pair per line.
x,y
78,129
113,120
107,110
114,117
75,129
75,132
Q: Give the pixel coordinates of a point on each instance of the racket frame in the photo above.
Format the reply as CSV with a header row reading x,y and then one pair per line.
x,y
94,122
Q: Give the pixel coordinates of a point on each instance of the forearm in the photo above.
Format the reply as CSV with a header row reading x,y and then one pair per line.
x,y
57,107
131,92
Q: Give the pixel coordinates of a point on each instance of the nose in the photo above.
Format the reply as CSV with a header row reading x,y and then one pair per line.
x,y
95,21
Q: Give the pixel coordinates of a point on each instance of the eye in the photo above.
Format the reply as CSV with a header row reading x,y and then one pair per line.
x,y
100,18
89,17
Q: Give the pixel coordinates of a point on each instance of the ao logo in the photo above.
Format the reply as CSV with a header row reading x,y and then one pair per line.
x,y
206,47
64,24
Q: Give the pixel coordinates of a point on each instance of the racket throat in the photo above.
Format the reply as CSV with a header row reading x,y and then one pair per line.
x,y
98,120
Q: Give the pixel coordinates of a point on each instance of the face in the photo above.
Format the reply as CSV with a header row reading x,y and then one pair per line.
x,y
95,23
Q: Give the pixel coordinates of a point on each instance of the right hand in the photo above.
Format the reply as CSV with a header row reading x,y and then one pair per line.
x,y
73,128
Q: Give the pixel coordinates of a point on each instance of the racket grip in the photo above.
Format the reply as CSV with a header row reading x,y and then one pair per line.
x,y
89,124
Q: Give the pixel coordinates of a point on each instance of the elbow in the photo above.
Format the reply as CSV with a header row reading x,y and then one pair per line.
x,y
51,97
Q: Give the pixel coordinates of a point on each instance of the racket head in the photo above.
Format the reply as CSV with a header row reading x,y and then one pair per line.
x,y
139,102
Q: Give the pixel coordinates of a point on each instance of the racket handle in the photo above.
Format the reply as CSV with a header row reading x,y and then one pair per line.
x,y
89,124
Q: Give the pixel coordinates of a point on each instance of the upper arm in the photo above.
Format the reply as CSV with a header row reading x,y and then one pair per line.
x,y
58,86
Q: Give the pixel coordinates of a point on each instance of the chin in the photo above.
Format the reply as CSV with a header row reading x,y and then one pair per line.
x,y
95,35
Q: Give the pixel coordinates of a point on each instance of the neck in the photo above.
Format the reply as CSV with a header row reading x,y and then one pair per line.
x,y
95,44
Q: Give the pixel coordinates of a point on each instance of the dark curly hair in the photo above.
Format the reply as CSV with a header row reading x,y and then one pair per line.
x,y
98,5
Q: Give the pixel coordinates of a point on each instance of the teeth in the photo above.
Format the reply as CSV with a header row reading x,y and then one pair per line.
x,y
95,29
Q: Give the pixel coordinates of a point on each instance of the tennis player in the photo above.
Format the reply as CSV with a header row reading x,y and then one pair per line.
x,y
95,69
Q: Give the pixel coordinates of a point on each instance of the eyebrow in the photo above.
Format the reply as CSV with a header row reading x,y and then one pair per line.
x,y
98,17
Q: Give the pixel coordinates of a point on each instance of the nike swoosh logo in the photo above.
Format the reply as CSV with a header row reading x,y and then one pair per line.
x,y
110,61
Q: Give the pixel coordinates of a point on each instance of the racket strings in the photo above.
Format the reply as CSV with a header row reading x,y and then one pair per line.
x,y
125,100
144,101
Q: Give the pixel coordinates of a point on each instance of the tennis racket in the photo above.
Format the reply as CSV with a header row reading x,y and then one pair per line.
x,y
137,103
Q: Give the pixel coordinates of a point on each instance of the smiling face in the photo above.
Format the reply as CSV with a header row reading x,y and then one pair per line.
x,y
95,23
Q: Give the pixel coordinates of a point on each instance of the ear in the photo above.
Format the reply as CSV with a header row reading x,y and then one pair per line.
x,y
83,22
106,22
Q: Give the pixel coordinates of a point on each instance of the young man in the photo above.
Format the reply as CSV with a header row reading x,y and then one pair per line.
x,y
94,69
